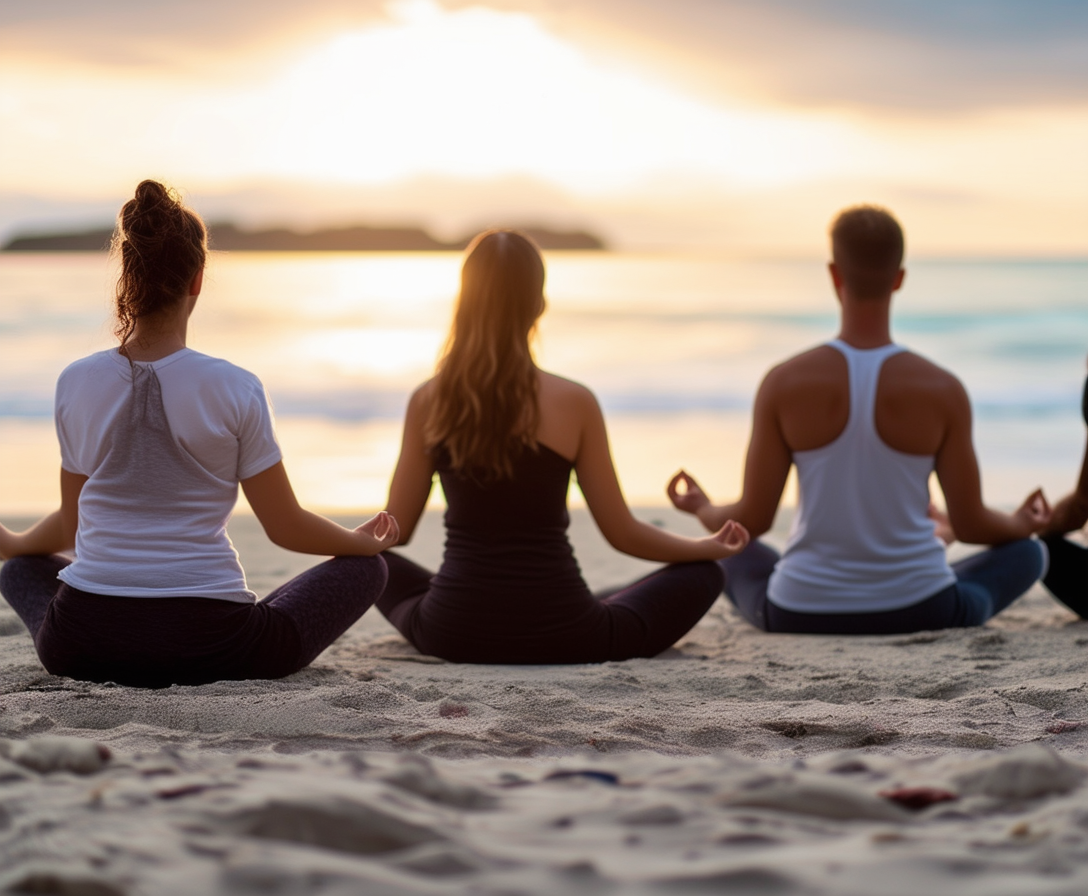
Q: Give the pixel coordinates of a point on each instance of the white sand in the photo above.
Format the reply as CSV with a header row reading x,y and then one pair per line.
x,y
738,762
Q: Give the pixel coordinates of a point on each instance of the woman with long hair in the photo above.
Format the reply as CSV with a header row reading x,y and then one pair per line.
x,y
155,439
503,436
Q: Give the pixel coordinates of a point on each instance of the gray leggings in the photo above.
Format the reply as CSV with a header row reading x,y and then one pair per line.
x,y
159,641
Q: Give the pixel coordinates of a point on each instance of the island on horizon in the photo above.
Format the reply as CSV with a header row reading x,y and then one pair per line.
x,y
228,237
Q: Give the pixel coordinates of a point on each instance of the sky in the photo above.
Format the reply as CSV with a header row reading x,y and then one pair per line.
x,y
730,125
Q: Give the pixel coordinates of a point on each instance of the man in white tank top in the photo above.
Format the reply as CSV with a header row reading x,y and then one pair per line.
x,y
866,422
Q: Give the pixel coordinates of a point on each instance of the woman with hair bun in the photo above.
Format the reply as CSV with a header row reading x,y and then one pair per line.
x,y
503,436
155,439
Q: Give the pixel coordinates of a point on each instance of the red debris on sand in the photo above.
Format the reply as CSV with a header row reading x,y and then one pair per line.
x,y
1060,726
918,797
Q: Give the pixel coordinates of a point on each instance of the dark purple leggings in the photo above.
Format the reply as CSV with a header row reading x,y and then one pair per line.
x,y
517,627
159,641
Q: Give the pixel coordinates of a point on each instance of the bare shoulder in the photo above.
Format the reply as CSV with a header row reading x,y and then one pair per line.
x,y
419,402
908,372
818,374
917,365
816,364
919,405
560,389
806,399
568,410
422,394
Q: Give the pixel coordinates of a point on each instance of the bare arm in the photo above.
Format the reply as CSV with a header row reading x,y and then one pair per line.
x,y
766,467
288,525
414,474
53,534
957,471
598,481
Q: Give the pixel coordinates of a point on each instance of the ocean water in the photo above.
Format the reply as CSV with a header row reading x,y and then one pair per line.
x,y
673,345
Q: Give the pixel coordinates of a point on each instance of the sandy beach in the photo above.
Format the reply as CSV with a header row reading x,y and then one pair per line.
x,y
738,761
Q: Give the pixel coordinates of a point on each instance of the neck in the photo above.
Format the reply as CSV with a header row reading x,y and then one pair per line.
x,y
866,323
153,340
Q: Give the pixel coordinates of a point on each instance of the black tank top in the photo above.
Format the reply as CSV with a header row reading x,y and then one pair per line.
x,y
510,536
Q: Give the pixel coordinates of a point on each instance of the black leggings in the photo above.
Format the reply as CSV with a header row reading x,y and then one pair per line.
x,y
159,641
640,620
1067,578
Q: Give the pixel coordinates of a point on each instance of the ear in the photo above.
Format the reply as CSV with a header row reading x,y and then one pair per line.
x,y
898,281
197,284
836,277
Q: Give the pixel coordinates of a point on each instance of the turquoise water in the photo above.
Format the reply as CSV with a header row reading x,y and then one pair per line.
x,y
673,345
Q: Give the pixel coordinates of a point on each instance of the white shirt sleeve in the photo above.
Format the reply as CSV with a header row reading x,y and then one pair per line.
x,y
82,418
258,448
68,459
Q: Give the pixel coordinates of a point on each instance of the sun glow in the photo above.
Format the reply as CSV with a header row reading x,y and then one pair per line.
x,y
482,93
472,93
386,352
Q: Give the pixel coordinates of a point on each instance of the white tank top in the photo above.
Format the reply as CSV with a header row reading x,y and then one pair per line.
x,y
861,540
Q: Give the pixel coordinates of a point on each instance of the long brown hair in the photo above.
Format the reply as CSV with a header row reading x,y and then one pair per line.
x,y
162,246
483,410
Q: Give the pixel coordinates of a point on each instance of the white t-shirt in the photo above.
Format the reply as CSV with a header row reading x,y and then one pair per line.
x,y
218,415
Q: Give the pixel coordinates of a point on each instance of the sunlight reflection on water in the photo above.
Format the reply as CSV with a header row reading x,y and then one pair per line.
x,y
673,345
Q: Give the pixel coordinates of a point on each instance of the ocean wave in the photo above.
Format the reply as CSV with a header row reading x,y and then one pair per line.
x,y
364,405
26,406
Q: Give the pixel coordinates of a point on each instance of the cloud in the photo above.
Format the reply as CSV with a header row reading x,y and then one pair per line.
x,y
171,35
908,54
968,116
915,55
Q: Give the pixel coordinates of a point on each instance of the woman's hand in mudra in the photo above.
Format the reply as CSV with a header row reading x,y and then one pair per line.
x,y
382,529
732,538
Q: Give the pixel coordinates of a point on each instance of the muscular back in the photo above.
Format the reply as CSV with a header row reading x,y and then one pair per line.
x,y
915,401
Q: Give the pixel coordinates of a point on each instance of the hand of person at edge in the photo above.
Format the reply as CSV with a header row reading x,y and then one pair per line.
x,y
383,529
942,525
733,537
686,494
1034,513
1068,515
6,536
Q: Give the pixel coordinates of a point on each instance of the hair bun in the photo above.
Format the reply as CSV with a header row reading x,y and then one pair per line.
x,y
151,215
162,245
151,193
